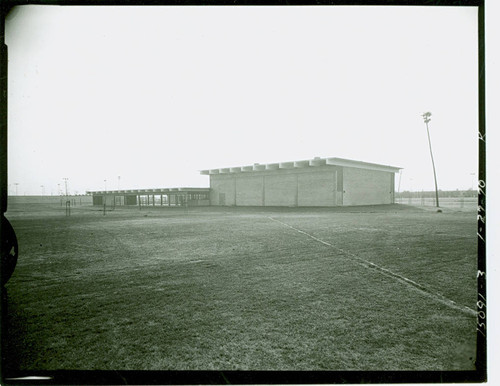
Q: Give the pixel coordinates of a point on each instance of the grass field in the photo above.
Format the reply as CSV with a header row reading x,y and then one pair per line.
x,y
362,288
457,203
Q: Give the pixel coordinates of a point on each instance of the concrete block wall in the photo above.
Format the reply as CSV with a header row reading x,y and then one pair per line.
x,y
307,186
318,188
223,184
280,189
367,187
326,185
250,190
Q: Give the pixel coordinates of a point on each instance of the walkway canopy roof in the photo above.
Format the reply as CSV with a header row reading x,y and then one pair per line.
x,y
151,191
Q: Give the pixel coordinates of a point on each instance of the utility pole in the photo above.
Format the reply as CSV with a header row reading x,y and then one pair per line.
x,y
118,182
43,190
16,183
427,119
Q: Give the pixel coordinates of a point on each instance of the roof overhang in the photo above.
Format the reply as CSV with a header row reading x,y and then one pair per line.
x,y
362,165
315,162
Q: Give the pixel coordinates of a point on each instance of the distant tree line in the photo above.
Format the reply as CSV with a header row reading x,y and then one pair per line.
x,y
432,193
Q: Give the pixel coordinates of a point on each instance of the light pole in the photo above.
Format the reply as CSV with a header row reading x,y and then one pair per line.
x,y
427,119
16,183
104,201
399,185
43,190
473,175
118,182
66,184
411,190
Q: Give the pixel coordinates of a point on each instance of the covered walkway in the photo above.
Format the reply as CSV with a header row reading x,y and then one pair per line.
x,y
152,197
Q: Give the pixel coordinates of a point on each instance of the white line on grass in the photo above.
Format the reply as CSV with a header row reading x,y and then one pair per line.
x,y
195,261
368,264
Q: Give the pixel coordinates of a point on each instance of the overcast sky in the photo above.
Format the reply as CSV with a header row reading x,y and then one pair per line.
x,y
155,94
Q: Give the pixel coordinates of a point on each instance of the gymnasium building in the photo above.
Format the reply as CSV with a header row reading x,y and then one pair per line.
x,y
314,182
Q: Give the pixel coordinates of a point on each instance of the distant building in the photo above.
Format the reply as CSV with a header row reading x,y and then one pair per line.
x,y
315,182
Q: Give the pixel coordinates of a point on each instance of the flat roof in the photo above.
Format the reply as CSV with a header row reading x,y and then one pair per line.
x,y
317,161
151,191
